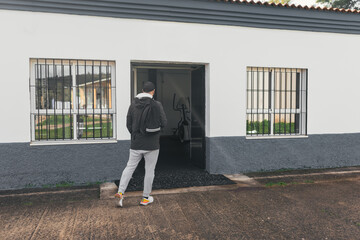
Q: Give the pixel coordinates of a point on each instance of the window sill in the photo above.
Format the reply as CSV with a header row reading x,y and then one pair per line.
x,y
71,142
275,137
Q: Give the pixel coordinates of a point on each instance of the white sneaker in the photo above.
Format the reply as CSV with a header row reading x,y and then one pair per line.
x,y
147,201
119,199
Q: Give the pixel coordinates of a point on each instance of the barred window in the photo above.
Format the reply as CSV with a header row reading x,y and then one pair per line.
x,y
72,99
276,101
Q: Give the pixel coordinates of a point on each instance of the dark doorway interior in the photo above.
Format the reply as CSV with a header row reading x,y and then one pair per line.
x,y
181,90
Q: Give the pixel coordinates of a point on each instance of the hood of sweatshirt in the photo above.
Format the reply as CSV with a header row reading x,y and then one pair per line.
x,y
142,100
144,95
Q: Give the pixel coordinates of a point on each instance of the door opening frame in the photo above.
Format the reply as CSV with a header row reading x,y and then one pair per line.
x,y
136,64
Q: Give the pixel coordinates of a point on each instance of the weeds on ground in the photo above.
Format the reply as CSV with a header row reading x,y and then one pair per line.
x,y
64,184
284,170
294,183
309,181
94,183
27,203
30,185
272,184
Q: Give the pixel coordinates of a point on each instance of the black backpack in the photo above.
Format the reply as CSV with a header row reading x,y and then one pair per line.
x,y
150,118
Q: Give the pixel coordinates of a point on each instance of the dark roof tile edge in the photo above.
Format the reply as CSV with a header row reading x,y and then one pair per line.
x,y
318,8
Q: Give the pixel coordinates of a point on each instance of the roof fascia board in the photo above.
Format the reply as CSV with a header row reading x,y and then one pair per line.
x,y
199,11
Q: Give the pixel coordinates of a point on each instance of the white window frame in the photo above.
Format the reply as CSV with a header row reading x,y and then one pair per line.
x,y
272,111
75,110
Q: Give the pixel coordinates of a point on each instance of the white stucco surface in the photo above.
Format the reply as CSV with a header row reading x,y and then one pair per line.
x,y
331,60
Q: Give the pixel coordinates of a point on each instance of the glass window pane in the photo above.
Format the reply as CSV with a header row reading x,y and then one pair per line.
x,y
106,86
97,126
53,127
94,90
41,130
258,124
53,91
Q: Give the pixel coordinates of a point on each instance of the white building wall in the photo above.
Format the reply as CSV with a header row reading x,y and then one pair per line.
x,y
332,61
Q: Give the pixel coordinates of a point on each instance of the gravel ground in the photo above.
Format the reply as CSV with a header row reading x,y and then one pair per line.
x,y
175,170
177,178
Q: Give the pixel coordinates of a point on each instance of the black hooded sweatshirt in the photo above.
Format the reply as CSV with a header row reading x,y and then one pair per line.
x,y
139,139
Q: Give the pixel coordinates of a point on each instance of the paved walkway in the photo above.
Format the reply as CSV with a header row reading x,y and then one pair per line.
x,y
314,210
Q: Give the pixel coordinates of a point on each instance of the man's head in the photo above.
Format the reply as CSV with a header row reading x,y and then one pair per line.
x,y
149,87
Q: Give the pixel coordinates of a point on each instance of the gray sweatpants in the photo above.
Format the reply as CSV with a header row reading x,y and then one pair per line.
x,y
151,158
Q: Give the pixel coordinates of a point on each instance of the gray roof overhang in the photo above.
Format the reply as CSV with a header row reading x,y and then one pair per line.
x,y
200,11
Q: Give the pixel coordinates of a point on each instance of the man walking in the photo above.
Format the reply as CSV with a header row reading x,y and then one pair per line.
x,y
145,119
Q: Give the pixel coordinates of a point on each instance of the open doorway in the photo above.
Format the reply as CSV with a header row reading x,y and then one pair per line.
x,y
181,90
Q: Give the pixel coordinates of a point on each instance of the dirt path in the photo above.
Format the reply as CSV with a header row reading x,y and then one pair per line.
x,y
325,210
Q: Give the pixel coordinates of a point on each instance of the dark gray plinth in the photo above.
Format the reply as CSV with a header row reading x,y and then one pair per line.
x,y
23,165
238,154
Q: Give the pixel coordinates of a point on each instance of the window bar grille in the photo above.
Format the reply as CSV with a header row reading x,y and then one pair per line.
x,y
286,78
247,100
280,101
277,99
285,106
257,102
62,100
297,102
47,99
273,100
278,85
93,98
306,113
284,99
38,98
300,101
86,101
269,103
252,100
280,105
114,115
287,101
54,80
263,103
108,97
40,103
71,100
291,97
77,84
101,96
55,98
284,92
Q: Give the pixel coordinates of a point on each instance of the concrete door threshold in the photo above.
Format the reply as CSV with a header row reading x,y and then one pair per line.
x,y
108,189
